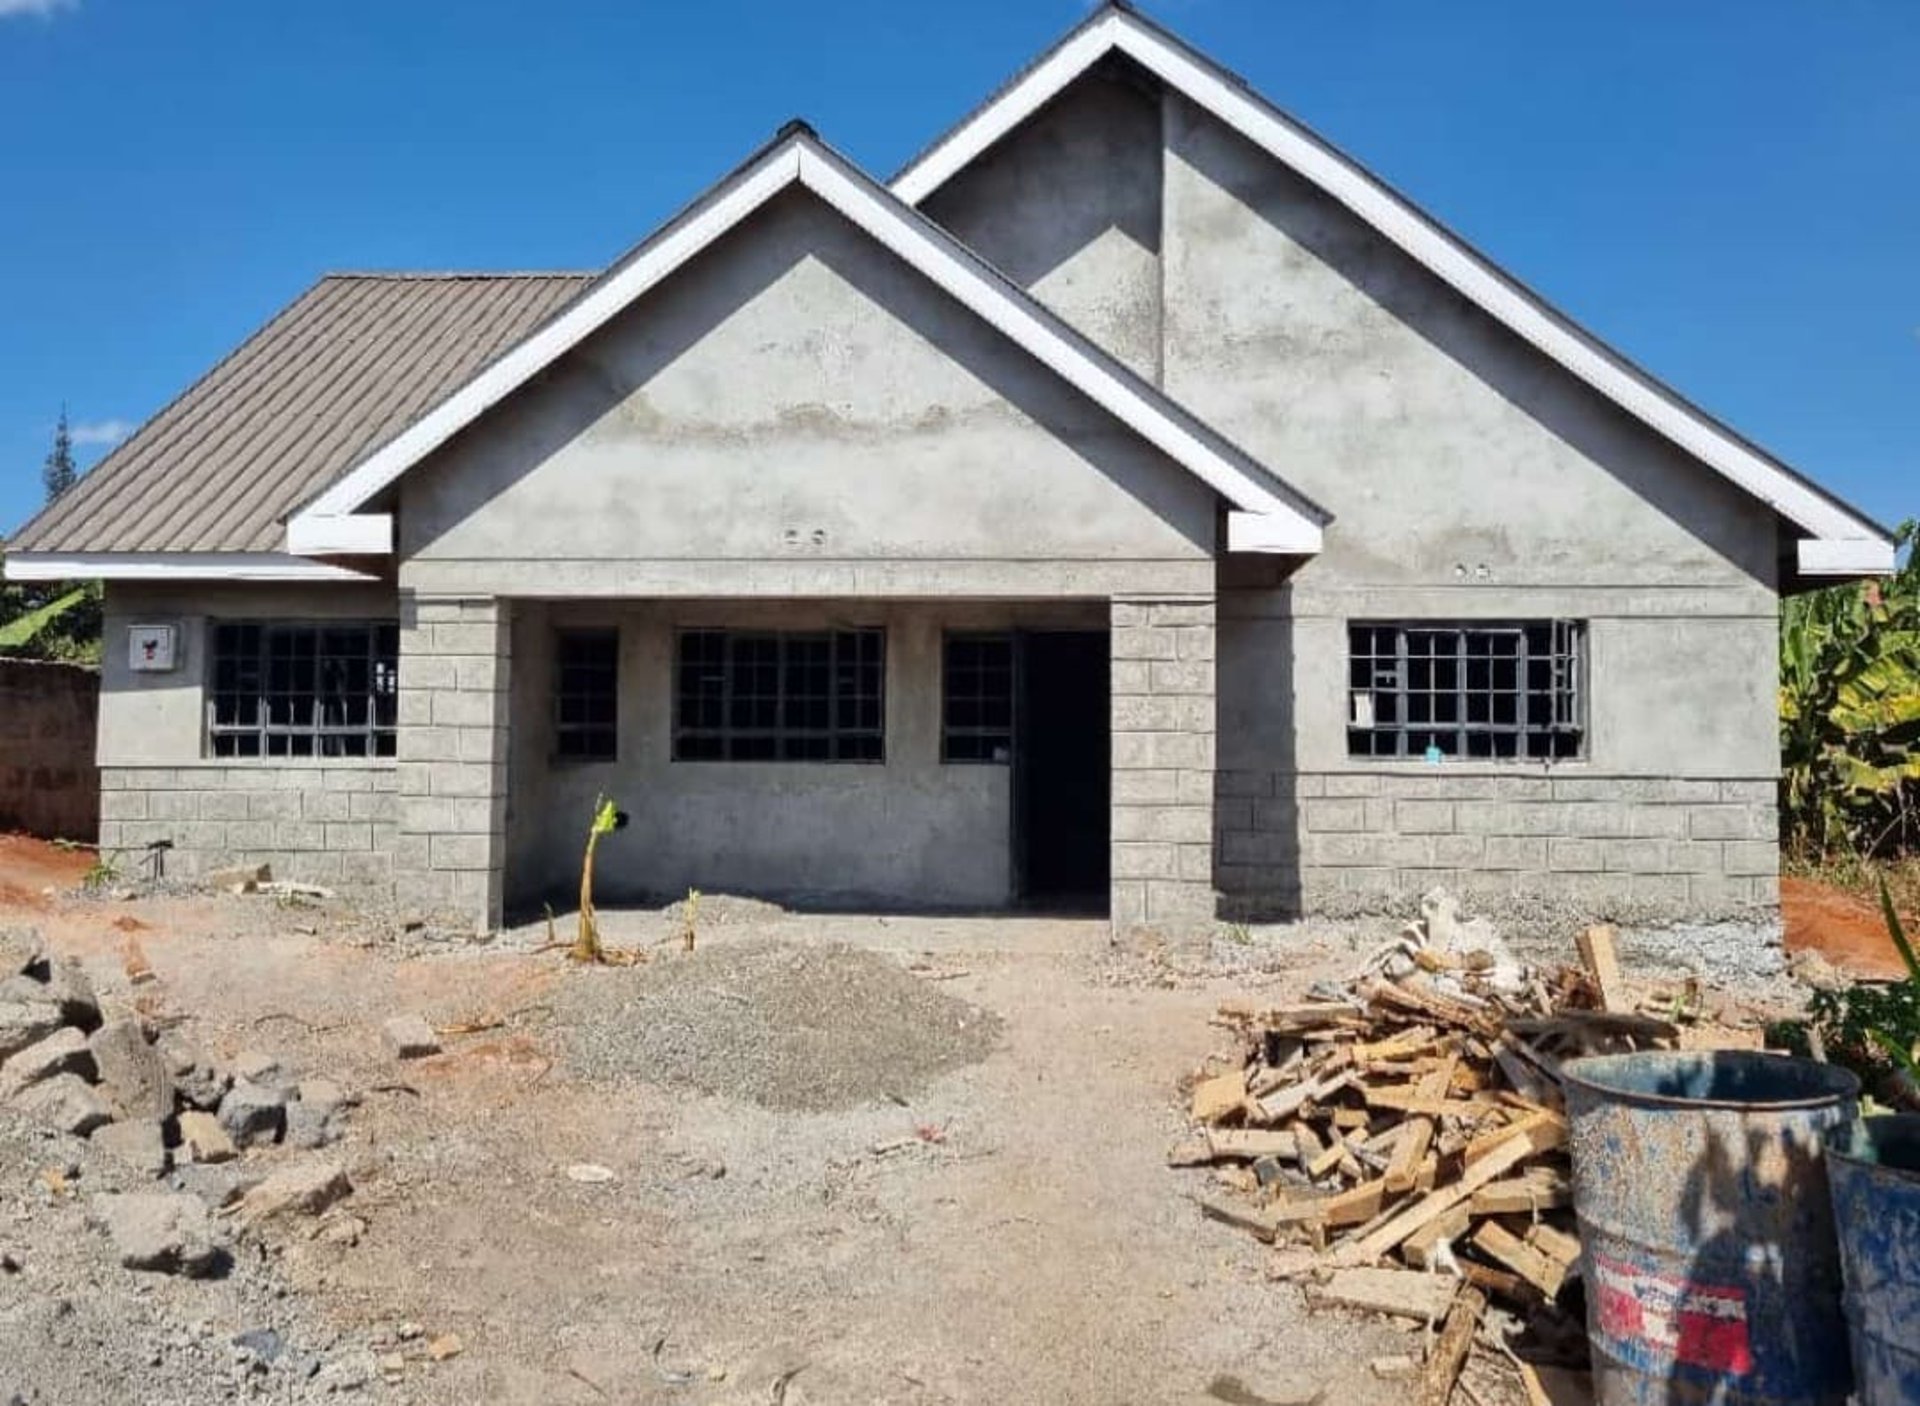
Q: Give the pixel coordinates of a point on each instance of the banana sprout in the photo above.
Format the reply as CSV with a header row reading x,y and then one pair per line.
x,y
607,818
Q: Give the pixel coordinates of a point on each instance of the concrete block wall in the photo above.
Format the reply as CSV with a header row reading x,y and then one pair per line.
x,y
1628,849
1163,715
49,785
328,821
450,851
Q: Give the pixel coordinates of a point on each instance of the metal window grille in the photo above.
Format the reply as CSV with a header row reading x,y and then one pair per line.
x,y
586,696
304,690
790,696
1481,689
977,699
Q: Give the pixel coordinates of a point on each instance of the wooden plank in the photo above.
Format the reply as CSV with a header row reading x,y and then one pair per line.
x,y
1354,1206
1402,1099
1523,1140
1432,1006
1404,1293
1487,1279
1216,1098
1496,1240
1603,964
1543,1123
1335,1154
1526,1195
1553,1242
1416,1137
1401,1045
1450,1349
1250,1144
1422,1248
1307,1143
1263,1224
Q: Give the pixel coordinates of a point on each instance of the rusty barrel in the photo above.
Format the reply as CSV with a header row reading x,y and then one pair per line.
x,y
1707,1244
1874,1167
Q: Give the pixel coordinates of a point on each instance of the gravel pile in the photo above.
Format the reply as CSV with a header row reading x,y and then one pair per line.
x,y
783,1026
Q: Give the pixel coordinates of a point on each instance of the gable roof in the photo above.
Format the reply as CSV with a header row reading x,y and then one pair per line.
x,y
335,372
1268,516
1843,540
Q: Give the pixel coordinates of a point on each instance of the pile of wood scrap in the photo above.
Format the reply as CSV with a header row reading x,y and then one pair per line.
x,y
1403,1142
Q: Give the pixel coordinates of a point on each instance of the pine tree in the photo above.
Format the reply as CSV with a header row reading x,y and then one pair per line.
x,y
58,474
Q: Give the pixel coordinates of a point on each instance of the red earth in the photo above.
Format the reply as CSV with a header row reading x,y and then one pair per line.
x,y
28,866
1843,927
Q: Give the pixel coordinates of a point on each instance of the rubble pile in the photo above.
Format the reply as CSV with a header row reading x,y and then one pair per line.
x,y
161,1108
1401,1138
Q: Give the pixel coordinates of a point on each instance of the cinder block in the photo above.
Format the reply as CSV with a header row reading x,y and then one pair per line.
x,y
1634,856
1244,783
463,637
325,805
1757,792
1657,822
483,673
1196,863
343,778
297,835
373,869
1177,902
273,805
1130,676
1142,643
1423,817
224,805
1660,893
469,778
1181,613
425,673
1351,784
1599,820
1146,713
460,851
1693,857
465,709
414,708
1196,787
1261,849
1717,822
1279,815
1188,676
1756,858
1127,904
1334,814
1233,814
1459,851
1193,642
350,836
1144,861
1574,856
373,805
1126,613
1155,787
125,805
173,805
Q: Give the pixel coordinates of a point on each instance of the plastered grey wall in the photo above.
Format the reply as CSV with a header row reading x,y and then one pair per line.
x,y
798,398
910,831
319,820
1469,479
1068,207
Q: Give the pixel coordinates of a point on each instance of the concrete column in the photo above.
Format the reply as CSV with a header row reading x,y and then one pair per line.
x,y
1163,762
455,658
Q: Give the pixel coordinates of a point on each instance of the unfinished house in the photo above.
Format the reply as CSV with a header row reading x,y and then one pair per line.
x,y
1135,506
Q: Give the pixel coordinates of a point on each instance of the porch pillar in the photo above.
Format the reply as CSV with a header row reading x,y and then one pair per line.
x,y
1163,762
455,655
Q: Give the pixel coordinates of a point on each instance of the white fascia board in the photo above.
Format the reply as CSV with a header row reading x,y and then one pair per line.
x,y
349,535
593,311
1414,233
1847,556
172,566
1288,535
988,298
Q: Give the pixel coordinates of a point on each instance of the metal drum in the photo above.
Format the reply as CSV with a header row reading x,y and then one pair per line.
x,y
1875,1169
1707,1245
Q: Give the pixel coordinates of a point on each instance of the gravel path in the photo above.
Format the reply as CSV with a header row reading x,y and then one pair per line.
x,y
806,1028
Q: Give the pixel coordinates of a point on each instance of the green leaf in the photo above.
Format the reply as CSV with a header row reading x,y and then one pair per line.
x,y
18,634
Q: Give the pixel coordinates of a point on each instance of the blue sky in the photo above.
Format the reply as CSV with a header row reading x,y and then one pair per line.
x,y
1729,192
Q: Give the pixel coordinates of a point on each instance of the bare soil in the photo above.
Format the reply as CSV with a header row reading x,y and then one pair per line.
x,y
1005,1231
1846,928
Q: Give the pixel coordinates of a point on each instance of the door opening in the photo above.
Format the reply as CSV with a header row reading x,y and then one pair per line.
x,y
1062,763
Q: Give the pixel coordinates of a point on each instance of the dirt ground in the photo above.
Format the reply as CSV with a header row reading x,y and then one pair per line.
x,y
1010,1233
1847,929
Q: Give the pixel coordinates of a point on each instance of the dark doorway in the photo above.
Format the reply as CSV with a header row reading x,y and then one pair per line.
x,y
1062,760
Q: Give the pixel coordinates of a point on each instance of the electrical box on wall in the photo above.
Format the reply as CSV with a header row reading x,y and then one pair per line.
x,y
150,648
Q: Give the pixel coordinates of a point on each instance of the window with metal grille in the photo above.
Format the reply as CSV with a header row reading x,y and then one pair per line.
x,y
743,696
586,694
1480,689
977,699
304,690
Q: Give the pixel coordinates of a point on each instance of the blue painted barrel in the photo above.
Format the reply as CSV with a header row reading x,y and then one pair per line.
x,y
1875,1170
1707,1244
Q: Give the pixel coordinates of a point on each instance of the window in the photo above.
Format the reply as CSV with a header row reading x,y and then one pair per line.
x,y
1506,689
319,690
976,709
789,697
586,673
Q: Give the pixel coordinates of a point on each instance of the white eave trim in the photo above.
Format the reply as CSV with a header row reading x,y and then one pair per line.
x,y
1847,557
172,566
1414,233
333,517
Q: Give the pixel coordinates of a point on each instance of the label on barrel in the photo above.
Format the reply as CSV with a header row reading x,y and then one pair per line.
x,y
1701,1325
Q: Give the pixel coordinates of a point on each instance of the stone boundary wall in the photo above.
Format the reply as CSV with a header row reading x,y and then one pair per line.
x,y
49,785
1163,713
321,822
1625,849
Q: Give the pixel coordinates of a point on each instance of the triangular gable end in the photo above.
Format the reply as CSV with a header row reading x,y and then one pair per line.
x,y
1265,515
1837,540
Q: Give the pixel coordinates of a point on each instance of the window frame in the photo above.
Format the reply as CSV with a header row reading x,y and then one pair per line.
x,y
731,742
974,732
1563,736
559,696
252,676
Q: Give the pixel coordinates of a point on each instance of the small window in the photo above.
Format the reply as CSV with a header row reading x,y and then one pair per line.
x,y
977,699
790,697
304,690
1506,689
586,694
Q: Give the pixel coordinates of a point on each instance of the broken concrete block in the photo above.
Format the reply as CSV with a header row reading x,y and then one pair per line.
x,y
311,1125
66,1102
239,878
133,1075
139,1144
326,1094
304,1189
163,1231
253,1114
198,1078
63,1052
264,1070
410,1037
202,1139
217,1186
20,949
67,987
24,1023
